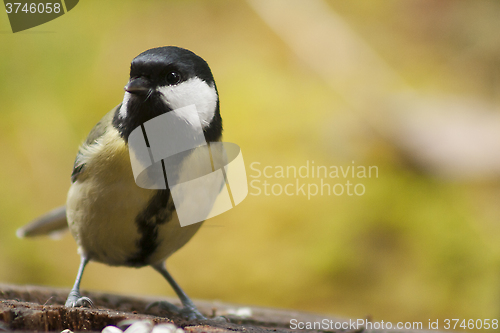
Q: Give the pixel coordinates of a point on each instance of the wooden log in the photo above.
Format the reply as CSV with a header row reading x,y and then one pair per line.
x,y
35,308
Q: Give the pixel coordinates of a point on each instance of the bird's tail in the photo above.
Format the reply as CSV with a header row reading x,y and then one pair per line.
x,y
52,223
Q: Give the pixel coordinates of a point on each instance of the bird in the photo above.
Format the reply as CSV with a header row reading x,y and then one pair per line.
x,y
113,220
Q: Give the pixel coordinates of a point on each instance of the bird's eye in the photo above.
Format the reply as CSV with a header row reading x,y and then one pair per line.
x,y
173,77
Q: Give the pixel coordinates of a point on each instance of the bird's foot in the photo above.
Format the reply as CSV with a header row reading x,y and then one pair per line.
x,y
186,312
76,300
220,319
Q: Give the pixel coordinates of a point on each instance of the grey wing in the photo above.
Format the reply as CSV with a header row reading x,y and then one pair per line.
x,y
49,224
96,132
55,221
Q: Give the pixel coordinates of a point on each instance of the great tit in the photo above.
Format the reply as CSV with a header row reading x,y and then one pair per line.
x,y
113,220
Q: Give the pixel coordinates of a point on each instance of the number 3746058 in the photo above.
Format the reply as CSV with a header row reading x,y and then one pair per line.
x,y
470,324
33,8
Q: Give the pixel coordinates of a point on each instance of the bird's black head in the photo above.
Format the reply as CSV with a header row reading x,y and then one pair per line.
x,y
167,78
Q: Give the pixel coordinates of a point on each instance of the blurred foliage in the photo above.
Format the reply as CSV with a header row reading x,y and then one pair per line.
x,y
414,247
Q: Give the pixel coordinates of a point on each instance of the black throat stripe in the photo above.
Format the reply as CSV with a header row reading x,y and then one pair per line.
x,y
158,212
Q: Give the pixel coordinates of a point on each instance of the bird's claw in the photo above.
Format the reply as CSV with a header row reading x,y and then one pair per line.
x,y
185,312
76,300
220,319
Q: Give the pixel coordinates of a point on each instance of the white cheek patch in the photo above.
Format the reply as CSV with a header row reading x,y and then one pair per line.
x,y
193,91
124,108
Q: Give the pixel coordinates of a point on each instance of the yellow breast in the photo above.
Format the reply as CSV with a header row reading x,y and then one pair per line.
x,y
104,201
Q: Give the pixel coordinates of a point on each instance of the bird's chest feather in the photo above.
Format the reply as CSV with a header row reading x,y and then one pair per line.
x,y
103,203
115,221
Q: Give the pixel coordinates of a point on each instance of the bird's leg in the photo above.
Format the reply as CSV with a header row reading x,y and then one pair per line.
x,y
74,297
189,311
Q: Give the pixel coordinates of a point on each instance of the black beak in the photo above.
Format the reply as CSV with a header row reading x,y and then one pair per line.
x,y
138,85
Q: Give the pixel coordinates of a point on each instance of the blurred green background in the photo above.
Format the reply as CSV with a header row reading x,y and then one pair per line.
x,y
421,243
